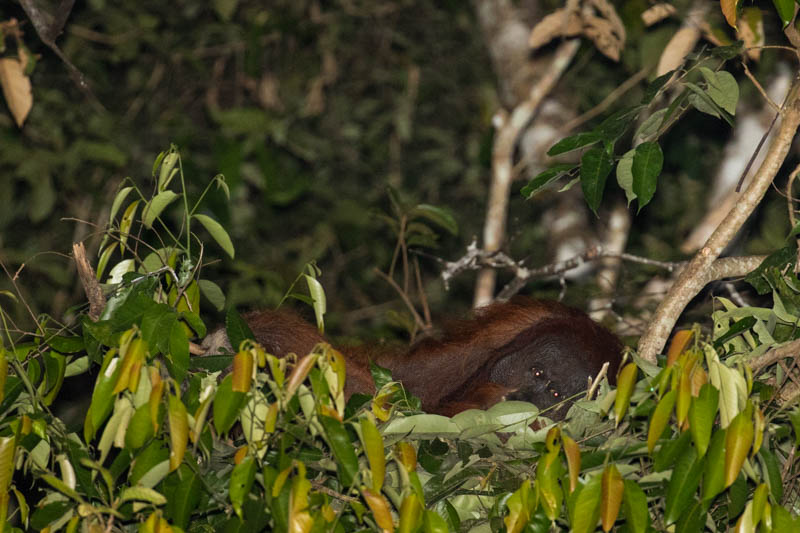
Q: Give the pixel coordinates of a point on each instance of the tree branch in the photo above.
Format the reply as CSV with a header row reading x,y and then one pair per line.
x,y
695,276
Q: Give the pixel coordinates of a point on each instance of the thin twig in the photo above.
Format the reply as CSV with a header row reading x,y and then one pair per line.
x,y
760,88
404,297
612,97
332,493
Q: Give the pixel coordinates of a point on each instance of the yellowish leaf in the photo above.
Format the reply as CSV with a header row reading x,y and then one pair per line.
x,y
16,88
729,10
612,488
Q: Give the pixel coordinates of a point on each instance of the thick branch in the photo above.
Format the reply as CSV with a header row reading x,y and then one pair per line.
x,y
695,276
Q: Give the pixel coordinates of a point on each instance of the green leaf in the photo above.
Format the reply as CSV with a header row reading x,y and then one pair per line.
x,y
692,521
143,494
178,353
586,511
544,178
722,88
150,458
614,126
671,450
182,489
157,322
574,142
66,344
241,482
342,447
237,329
117,203
771,470
704,103
655,86
646,167
213,293
782,520
318,297
217,232
61,487
595,168
55,366
153,208
373,449
683,484
433,523
102,395
634,504
438,215
227,405
714,475
650,127
44,516
702,412
737,328
785,9
140,428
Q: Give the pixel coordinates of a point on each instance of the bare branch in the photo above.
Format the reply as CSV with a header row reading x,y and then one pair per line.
x,y
509,130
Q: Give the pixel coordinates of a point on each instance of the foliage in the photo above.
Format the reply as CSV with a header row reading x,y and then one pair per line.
x,y
170,442
714,92
282,98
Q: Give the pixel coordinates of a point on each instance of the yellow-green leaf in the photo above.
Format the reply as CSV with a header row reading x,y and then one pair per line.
x,y
406,455
380,509
660,419
152,210
573,454
410,513
242,371
3,372
217,232
737,443
625,384
612,490
143,494
7,448
519,508
373,448
759,502
241,482
586,510
178,431
126,222
702,413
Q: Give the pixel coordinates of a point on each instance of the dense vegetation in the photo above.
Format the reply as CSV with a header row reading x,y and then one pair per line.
x,y
335,156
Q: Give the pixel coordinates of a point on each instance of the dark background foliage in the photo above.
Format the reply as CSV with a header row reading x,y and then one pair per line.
x,y
311,111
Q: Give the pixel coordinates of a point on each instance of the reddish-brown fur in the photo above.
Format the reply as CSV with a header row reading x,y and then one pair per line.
x,y
532,350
